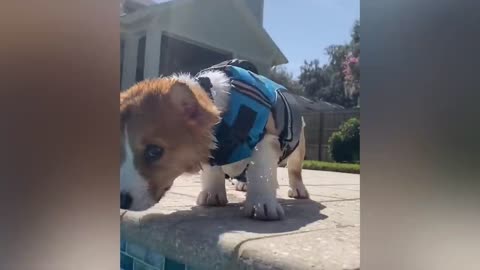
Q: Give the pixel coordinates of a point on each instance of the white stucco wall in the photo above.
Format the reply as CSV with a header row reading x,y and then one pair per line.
x,y
216,26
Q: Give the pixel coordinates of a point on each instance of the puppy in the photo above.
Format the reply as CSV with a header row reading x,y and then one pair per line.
x,y
221,121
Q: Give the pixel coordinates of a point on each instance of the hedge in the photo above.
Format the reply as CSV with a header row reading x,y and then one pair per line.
x,y
331,166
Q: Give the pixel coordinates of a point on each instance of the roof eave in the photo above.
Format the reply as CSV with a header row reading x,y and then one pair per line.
x,y
151,11
279,58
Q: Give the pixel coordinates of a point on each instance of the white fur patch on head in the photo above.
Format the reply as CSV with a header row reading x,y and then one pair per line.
x,y
132,183
185,78
220,92
220,85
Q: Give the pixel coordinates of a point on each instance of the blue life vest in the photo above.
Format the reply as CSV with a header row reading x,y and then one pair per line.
x,y
252,98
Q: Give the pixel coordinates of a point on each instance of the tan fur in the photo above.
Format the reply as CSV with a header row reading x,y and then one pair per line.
x,y
271,128
294,165
167,113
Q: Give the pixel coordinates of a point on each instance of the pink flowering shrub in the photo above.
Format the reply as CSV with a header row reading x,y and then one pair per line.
x,y
351,72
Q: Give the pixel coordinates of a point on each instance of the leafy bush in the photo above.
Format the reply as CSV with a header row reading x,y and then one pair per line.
x,y
344,145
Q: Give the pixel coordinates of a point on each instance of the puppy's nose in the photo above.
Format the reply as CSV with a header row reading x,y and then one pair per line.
x,y
125,200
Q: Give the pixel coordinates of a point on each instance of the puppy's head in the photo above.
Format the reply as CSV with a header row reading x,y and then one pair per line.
x,y
166,130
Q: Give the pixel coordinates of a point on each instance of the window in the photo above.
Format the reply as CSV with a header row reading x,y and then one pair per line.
x,y
140,58
181,56
122,53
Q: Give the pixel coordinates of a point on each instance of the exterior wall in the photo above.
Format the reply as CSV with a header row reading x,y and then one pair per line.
x,y
128,6
194,22
256,6
129,60
224,30
180,54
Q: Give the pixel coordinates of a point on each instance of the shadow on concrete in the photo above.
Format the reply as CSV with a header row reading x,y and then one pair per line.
x,y
218,220
213,234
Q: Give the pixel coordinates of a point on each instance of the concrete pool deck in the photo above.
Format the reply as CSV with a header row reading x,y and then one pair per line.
x,y
320,233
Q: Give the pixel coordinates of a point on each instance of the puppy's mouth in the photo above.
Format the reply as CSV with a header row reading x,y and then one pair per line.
x,y
165,190
135,203
159,198
140,203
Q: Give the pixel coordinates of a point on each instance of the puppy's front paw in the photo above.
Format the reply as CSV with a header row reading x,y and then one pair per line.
x,y
241,186
263,209
212,198
298,191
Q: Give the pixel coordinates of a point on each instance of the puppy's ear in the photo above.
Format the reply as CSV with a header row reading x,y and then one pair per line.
x,y
186,103
123,98
124,111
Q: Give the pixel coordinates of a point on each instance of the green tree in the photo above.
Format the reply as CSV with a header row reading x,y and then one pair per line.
x,y
313,78
351,65
328,82
355,35
280,75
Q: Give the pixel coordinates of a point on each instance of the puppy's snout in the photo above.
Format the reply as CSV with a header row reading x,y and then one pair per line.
x,y
125,200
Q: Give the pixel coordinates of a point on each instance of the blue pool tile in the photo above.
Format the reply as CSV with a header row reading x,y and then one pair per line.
x,y
126,262
154,259
136,251
141,266
123,245
173,265
193,268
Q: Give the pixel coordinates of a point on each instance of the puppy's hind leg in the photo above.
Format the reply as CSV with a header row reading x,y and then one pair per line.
x,y
294,165
213,187
241,183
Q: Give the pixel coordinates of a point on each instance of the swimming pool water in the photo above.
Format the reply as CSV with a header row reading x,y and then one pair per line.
x,y
135,257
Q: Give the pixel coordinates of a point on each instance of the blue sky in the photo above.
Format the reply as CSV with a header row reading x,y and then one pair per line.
x,y
303,29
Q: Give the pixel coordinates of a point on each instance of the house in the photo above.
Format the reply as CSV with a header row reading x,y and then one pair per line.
x,y
129,6
189,35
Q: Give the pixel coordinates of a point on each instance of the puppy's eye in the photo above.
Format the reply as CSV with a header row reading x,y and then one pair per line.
x,y
152,153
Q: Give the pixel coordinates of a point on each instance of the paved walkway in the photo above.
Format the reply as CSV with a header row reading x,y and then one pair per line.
x,y
321,233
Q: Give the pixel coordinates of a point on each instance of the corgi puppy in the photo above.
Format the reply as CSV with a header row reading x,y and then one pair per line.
x,y
224,121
